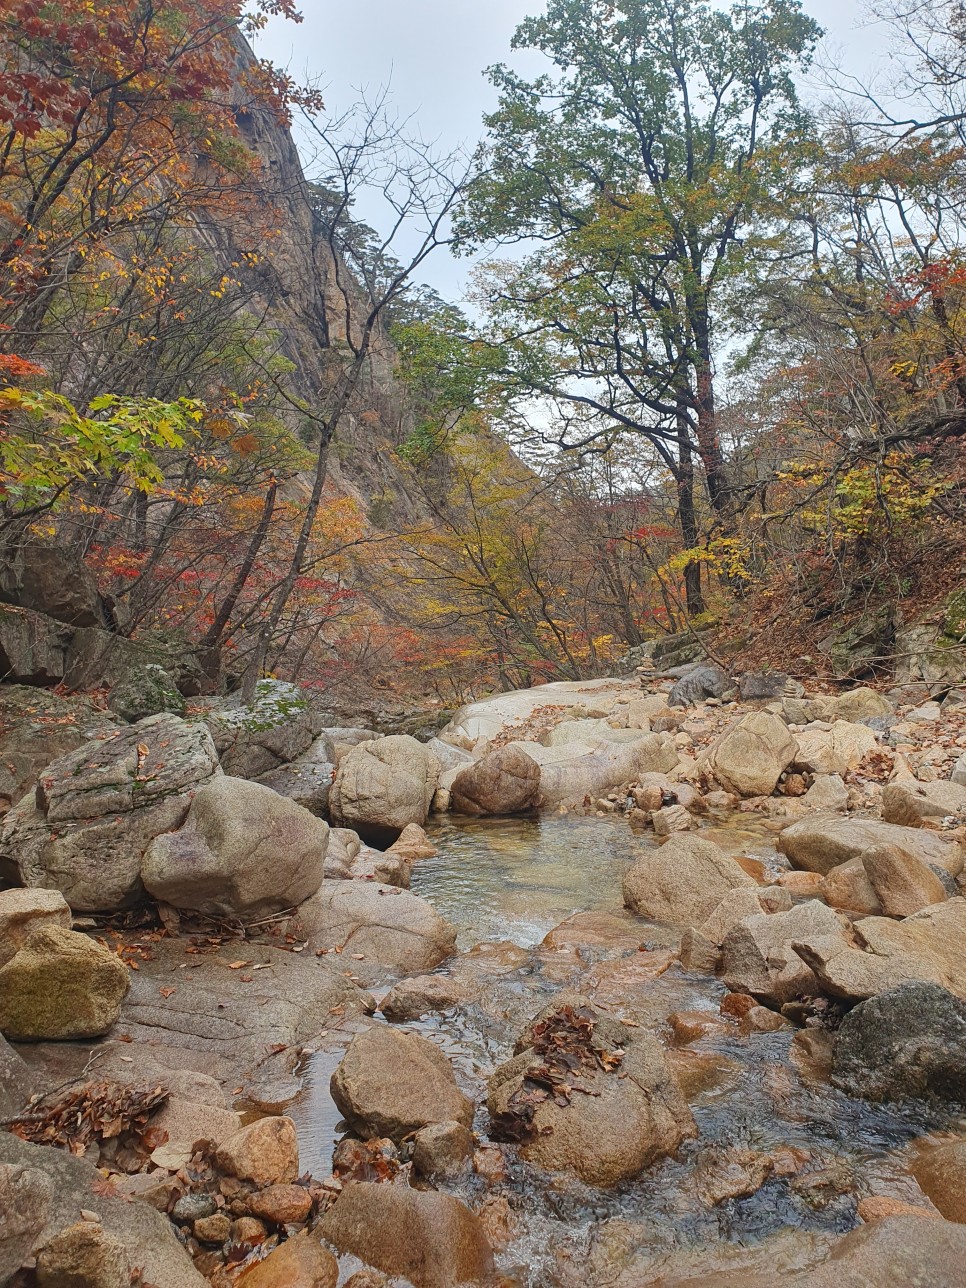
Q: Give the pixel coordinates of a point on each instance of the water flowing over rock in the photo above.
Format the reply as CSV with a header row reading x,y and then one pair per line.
x,y
683,882
751,757
383,785
429,1238
243,852
392,1083
588,1095
97,809
823,841
907,1042
60,985
505,781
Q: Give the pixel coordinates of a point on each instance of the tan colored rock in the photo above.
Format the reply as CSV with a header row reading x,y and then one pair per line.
x,y
752,755
827,793
683,882
672,818
266,1152
911,803
941,1173
848,886
936,934
281,1204
758,957
411,999
443,1150
213,1229
803,884
59,986
505,781
301,1262
24,911
634,1113
187,1122
876,1207
857,704
391,1083
701,946
84,1256
903,884
849,973
722,1174
383,785
429,1238
835,750
823,841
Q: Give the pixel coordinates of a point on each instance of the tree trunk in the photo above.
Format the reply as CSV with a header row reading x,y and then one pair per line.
x,y
227,607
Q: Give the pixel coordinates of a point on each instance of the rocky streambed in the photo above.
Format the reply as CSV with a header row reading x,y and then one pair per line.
x,y
700,1023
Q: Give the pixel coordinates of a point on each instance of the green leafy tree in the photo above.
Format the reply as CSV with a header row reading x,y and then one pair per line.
x,y
642,173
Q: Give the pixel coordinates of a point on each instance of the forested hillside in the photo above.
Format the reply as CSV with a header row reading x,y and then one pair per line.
x,y
711,381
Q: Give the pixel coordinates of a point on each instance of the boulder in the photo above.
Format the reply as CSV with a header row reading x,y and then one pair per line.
x,y
243,852
758,957
767,686
848,886
392,1083
36,728
822,841
903,884
266,1152
909,1042
701,945
411,999
300,1262
682,882
629,1114
449,757
941,1173
34,649
910,803
857,706
427,1238
579,770
60,985
443,1150
753,754
392,930
24,911
16,1083
51,579
505,713
382,785
827,793
700,683
84,1255
97,809
74,1186
835,750
936,934
25,1194
505,781
958,775
851,974
590,732
305,783
277,728
146,691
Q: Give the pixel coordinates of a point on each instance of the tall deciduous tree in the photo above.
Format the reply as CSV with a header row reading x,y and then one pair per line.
x,y
641,171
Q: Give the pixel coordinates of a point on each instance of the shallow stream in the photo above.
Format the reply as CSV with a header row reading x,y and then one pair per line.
x,y
507,883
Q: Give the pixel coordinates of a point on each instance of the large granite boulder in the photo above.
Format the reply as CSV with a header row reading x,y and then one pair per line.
x,y
382,929
243,852
75,1186
505,713
753,754
279,726
16,1083
911,803
505,781
935,935
37,727
576,771
909,1042
304,782
426,1238
383,785
758,954
682,882
51,579
902,883
97,809
701,682
392,1083
24,911
823,841
627,1113
60,985
835,750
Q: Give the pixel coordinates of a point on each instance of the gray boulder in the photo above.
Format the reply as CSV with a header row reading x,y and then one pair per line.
x,y
277,728
25,1194
97,809
36,728
146,691
703,682
304,782
909,1042
752,755
243,852
823,841
383,785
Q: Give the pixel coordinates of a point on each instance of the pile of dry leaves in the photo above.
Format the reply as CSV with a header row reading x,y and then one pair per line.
x,y
93,1113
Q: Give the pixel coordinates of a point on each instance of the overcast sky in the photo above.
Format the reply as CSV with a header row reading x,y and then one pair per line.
x,y
434,53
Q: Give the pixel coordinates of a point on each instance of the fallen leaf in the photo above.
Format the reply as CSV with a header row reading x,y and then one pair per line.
x,y
166,992
237,965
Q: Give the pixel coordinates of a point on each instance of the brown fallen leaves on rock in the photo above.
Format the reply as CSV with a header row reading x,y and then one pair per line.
x,y
95,1111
